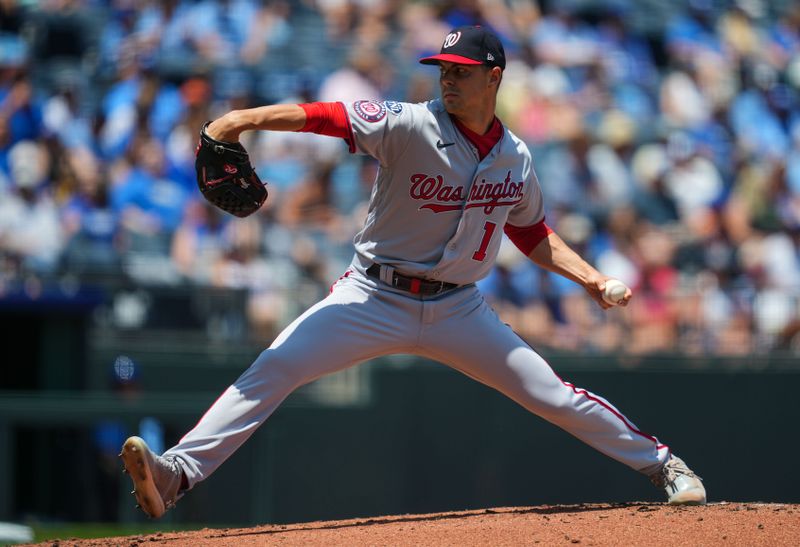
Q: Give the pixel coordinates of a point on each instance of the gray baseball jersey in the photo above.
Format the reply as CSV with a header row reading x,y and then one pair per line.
x,y
437,210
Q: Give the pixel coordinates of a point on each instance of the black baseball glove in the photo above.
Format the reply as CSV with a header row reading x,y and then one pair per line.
x,y
226,177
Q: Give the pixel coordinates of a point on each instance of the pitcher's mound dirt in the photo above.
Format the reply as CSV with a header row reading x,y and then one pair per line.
x,y
629,524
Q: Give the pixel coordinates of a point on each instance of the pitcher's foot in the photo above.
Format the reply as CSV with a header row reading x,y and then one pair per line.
x,y
156,480
680,483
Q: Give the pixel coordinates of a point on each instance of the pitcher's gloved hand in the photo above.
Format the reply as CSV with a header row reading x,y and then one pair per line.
x,y
226,177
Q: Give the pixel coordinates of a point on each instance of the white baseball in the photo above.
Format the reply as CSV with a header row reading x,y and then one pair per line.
x,y
614,292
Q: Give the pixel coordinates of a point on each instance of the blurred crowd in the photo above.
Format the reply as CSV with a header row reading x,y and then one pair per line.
x,y
666,138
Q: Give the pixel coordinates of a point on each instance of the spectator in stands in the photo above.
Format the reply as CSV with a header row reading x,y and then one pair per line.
x,y
20,112
91,228
30,232
783,40
366,76
222,28
690,33
267,282
164,36
691,179
199,242
63,115
149,204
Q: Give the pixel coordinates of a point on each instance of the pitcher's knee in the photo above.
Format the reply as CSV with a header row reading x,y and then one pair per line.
x,y
551,405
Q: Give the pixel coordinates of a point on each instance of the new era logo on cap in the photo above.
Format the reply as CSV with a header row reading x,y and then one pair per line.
x,y
470,45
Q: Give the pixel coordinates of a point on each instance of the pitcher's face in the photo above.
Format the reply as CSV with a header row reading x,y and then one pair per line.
x,y
466,88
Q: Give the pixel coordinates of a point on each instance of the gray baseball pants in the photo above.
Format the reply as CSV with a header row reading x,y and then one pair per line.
x,y
363,318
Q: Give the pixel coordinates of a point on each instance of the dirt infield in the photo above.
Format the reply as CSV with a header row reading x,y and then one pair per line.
x,y
631,524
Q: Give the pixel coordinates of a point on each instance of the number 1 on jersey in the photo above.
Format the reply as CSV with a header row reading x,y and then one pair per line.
x,y
488,232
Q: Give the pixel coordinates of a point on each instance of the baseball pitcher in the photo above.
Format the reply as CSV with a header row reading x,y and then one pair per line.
x,y
452,180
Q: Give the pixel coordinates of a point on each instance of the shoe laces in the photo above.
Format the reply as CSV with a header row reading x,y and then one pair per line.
x,y
669,473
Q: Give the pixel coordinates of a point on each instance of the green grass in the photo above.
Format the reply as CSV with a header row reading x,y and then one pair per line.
x,y
65,531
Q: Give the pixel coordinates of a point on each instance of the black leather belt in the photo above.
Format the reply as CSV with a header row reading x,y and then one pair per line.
x,y
414,285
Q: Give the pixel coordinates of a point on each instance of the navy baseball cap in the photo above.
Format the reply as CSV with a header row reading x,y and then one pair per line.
x,y
470,45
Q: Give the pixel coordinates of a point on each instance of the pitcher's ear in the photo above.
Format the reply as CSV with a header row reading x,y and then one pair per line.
x,y
496,75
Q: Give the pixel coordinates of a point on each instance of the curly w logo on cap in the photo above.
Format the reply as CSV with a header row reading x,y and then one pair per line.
x,y
451,39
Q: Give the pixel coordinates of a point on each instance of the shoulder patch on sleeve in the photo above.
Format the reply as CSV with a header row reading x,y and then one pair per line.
x,y
394,107
371,111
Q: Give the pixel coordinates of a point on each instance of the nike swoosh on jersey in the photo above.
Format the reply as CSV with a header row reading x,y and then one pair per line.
x,y
440,144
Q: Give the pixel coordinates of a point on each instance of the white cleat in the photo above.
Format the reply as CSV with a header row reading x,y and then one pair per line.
x,y
680,483
156,480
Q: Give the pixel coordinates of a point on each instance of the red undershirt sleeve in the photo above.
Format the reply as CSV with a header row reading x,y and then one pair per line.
x,y
328,119
527,238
